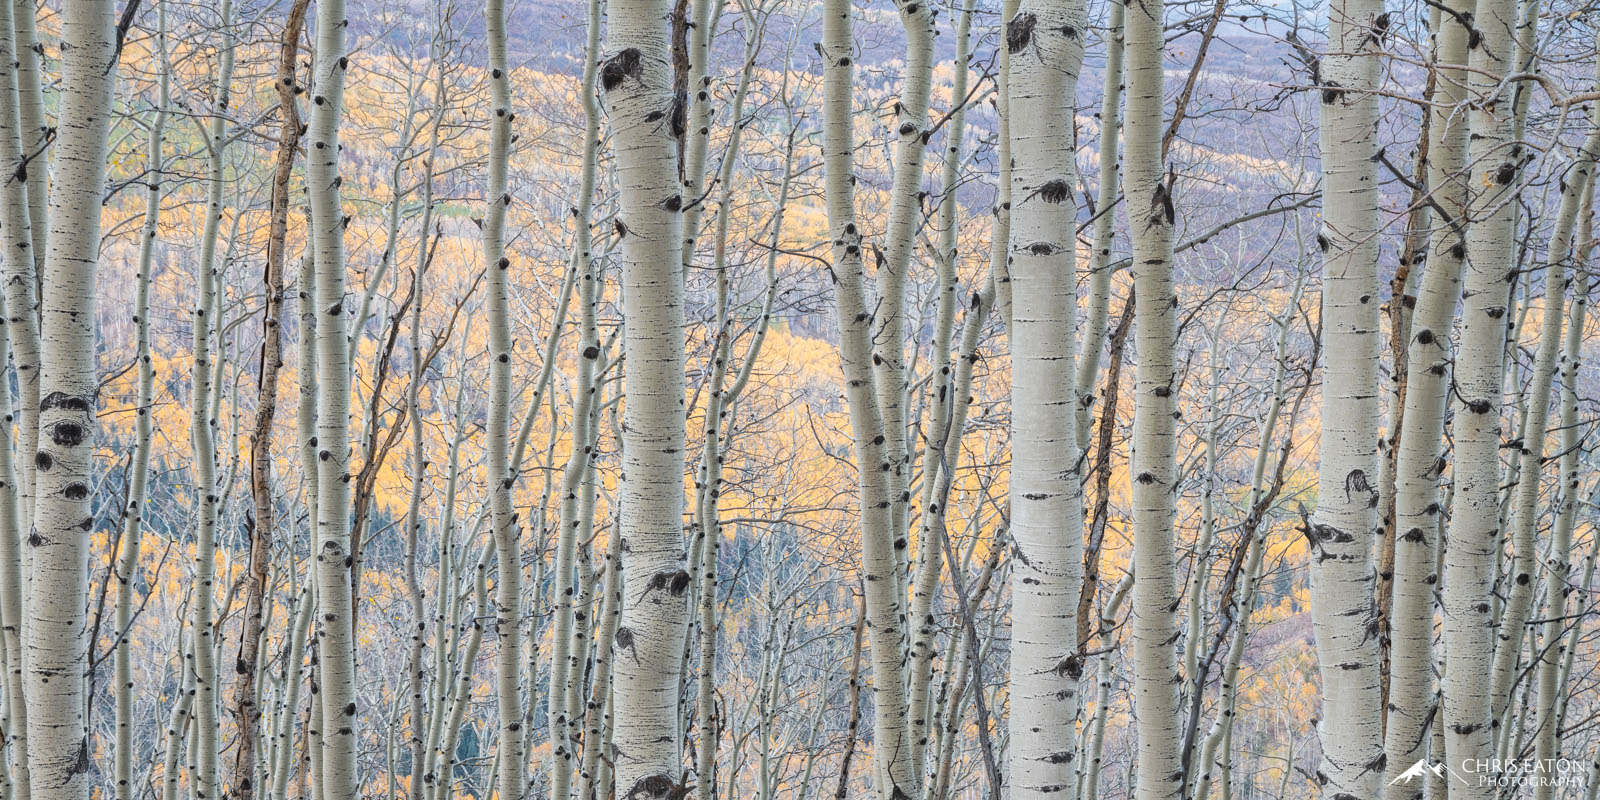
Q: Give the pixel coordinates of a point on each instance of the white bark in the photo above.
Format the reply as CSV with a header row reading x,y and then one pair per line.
x,y
1473,532
15,761
1090,787
1154,461
133,520
281,752
35,128
202,430
417,727
1098,312
1525,502
25,224
1578,317
1577,194
1420,460
461,691
1045,41
1345,525
55,637
16,489
562,748
336,658
1554,649
944,428
879,562
899,240
636,75
505,525
595,717
702,23
306,438
177,727
1000,232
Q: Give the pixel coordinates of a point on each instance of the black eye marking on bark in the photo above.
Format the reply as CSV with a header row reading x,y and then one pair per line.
x,y
626,64
1053,192
1019,31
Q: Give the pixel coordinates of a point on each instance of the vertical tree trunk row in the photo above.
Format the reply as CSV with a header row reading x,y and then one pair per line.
x,y
1045,42
1473,535
894,775
1342,531
1153,465
646,117
334,684
55,634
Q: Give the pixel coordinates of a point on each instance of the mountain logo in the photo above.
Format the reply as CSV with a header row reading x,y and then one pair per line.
x,y
1417,770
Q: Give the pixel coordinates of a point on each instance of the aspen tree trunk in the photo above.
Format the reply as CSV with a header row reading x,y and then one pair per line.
x,y
55,637
415,675
335,562
5,768
944,439
891,734
1525,503
956,680
1098,312
1579,316
1558,564
447,616
959,685
289,701
202,428
20,322
600,684
446,630
1399,313
139,467
900,239
947,729
306,438
1516,408
1154,461
246,693
445,757
696,140
1102,709
579,461
506,527
1197,604
719,405
417,743
1000,230
1437,785
636,75
1045,41
177,727
1420,456
571,694
25,223
15,763
36,133
1345,524
1577,191
1473,534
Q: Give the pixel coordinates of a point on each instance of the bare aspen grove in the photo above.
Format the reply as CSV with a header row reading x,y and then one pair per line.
x,y
799,400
